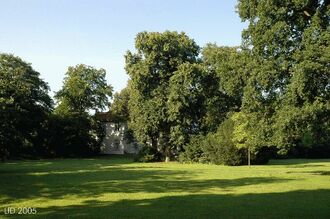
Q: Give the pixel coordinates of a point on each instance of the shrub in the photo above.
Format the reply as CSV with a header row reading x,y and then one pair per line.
x,y
73,135
218,148
148,154
193,151
262,155
314,151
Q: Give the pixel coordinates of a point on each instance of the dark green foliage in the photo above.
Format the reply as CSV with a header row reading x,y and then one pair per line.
x,y
74,135
306,106
24,108
193,95
129,136
157,59
74,132
287,93
193,151
219,147
263,155
273,91
84,89
232,67
312,151
28,127
148,154
119,107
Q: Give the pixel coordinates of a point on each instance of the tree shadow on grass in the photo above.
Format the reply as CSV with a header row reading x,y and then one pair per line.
x,y
299,163
319,173
92,178
47,165
322,173
95,182
294,204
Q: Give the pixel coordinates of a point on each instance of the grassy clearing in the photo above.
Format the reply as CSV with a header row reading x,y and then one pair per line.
x,y
115,187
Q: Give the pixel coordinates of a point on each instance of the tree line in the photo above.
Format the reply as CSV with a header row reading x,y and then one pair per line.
x,y
267,97
225,105
33,126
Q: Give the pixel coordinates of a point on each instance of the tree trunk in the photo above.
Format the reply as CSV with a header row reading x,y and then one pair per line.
x,y
164,143
4,153
167,154
249,156
154,142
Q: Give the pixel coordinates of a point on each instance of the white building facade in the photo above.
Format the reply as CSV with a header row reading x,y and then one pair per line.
x,y
114,141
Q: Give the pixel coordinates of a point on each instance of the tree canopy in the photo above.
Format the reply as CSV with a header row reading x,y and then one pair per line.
x,y
24,105
213,104
288,91
84,89
158,58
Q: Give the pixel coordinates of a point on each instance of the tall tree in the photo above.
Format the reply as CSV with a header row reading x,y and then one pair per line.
x,y
24,106
84,89
156,60
233,67
193,96
289,41
119,106
306,107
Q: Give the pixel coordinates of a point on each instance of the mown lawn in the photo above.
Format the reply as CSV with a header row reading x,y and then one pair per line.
x,y
115,187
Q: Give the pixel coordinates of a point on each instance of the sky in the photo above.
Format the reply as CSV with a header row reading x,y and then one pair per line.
x,y
55,34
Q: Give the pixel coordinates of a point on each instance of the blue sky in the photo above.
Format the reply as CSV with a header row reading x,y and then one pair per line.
x,y
55,34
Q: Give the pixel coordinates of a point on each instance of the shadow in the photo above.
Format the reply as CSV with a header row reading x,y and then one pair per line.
x,y
319,173
307,165
86,182
93,178
323,173
47,165
300,162
294,204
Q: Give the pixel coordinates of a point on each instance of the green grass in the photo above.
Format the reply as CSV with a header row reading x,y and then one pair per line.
x,y
115,187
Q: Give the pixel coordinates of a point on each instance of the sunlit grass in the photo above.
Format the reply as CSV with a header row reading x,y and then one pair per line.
x,y
115,187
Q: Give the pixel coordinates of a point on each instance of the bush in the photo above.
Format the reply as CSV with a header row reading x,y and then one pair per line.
x,y
262,155
73,135
193,152
314,151
218,148
148,154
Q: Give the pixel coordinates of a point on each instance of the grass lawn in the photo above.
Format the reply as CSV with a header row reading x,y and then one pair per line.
x,y
115,187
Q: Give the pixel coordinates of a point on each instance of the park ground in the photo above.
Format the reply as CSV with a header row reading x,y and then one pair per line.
x,y
116,187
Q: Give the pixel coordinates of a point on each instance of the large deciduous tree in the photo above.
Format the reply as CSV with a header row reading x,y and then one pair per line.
x,y
119,107
77,132
233,67
306,107
288,91
84,89
193,98
157,59
24,106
